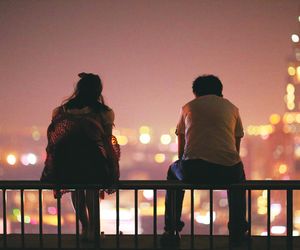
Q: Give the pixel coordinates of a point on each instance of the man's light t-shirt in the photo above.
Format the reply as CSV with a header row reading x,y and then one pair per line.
x,y
211,124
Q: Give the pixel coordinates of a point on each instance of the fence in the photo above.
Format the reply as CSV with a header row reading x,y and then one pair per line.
x,y
249,186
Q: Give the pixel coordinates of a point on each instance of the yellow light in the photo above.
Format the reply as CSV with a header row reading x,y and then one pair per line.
x,y
282,168
11,159
291,71
274,119
295,38
290,88
145,138
288,118
165,139
160,158
122,139
144,130
290,105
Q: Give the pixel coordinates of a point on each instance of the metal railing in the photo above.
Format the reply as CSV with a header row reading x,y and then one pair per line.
x,y
249,186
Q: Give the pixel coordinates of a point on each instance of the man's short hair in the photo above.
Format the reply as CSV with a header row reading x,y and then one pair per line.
x,y
207,85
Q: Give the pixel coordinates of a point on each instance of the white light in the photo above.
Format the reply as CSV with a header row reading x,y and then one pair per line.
x,y
11,159
275,209
165,139
205,219
145,138
24,160
31,158
148,194
295,38
278,229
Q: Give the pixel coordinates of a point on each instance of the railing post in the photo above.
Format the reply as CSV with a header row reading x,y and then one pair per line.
x,y
211,218
136,218
22,219
155,218
289,217
118,217
59,219
41,217
4,219
192,220
268,218
77,216
249,218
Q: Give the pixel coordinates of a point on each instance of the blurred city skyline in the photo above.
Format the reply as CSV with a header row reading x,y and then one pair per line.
x,y
147,53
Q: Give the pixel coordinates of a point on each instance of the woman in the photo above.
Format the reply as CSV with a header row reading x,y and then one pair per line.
x,y
80,148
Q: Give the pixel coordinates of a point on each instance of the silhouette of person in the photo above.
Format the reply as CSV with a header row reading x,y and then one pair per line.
x,y
80,150
209,133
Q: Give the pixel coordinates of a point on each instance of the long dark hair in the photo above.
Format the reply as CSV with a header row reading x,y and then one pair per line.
x,y
88,92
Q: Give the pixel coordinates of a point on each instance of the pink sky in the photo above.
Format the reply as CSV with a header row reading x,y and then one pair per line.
x,y
147,53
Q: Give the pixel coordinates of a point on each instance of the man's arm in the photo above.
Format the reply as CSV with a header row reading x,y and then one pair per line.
x,y
181,144
238,143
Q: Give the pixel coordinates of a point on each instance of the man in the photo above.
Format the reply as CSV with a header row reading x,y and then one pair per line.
x,y
209,134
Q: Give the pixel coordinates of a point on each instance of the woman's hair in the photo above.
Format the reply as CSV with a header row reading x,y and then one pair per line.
x,y
88,92
207,85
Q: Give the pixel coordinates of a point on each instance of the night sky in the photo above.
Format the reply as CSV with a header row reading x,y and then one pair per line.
x,y
147,54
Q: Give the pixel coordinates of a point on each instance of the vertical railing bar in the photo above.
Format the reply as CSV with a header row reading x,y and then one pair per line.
x,y
289,216
77,216
136,218
22,219
118,217
155,217
96,217
99,217
59,218
269,217
41,217
192,220
249,219
4,219
211,218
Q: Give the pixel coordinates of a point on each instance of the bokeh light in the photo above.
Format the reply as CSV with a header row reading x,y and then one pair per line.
x,y
160,158
165,139
274,119
282,168
122,139
11,159
295,38
144,130
145,138
291,71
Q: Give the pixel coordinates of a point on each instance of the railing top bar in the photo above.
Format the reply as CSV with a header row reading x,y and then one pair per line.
x,y
156,184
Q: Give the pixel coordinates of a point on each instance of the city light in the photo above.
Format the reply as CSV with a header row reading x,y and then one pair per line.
x,y
145,138
274,119
144,130
295,38
148,194
204,219
122,139
291,71
11,159
278,229
159,158
282,168
165,139
36,136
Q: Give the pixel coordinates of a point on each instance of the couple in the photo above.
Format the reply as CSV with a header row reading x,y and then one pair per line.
x,y
209,133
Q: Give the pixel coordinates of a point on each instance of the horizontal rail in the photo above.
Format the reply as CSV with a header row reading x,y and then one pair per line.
x,y
156,184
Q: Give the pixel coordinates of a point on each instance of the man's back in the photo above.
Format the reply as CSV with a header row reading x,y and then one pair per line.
x,y
211,124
